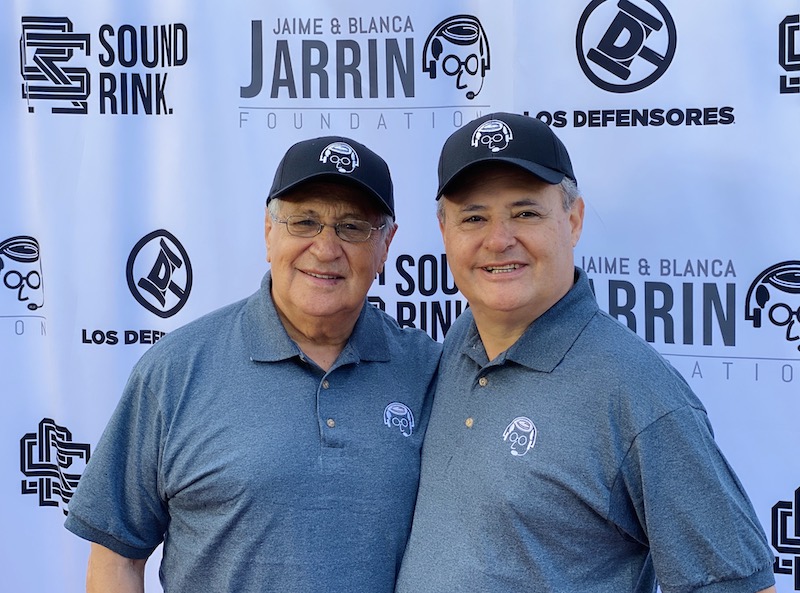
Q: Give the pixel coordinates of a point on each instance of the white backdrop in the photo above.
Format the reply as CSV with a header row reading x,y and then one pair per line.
x,y
139,141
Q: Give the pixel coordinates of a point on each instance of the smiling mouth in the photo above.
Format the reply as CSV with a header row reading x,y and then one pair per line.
x,y
322,276
502,269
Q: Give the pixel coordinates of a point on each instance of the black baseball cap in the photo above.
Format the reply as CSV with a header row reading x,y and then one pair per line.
x,y
523,141
338,159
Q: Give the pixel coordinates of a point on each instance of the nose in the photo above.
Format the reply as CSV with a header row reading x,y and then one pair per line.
x,y
459,84
326,246
793,332
499,235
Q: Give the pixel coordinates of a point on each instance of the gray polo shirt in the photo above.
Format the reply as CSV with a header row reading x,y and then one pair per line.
x,y
578,461
259,471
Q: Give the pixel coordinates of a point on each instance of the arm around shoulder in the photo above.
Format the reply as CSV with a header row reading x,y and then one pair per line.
x,y
111,572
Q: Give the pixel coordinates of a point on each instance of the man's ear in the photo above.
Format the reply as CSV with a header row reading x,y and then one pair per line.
x,y
576,219
267,229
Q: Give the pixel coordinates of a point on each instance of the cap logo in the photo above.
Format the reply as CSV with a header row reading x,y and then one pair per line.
x,y
493,134
341,155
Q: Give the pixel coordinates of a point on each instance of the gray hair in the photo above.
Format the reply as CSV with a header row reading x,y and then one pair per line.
x,y
569,193
274,208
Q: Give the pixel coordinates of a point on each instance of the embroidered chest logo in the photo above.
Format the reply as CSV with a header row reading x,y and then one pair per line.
x,y
399,416
521,434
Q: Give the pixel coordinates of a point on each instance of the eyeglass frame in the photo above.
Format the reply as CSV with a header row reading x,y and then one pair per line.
x,y
321,225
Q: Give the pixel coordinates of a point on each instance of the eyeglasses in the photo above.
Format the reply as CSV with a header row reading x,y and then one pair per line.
x,y
350,230
781,314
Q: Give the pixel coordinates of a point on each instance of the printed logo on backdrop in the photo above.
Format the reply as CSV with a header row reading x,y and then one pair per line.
x,y
159,273
774,299
46,48
457,47
786,537
21,271
789,54
127,76
22,286
692,303
625,46
428,298
349,72
159,276
52,464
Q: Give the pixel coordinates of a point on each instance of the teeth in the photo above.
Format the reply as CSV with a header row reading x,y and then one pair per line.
x,y
501,269
322,276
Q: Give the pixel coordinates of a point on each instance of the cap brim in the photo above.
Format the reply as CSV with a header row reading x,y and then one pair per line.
x,y
339,178
546,174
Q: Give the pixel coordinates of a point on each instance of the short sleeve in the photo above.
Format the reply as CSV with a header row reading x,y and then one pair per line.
x,y
117,503
677,492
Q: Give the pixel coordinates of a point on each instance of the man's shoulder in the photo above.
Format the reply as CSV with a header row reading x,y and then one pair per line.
x,y
405,337
202,332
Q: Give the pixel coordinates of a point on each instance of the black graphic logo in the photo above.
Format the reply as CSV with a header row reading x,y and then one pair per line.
x,y
47,43
47,459
459,47
624,47
159,273
789,53
786,537
776,291
21,271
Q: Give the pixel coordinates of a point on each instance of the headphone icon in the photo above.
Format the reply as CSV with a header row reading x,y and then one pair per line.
x,y
785,277
463,30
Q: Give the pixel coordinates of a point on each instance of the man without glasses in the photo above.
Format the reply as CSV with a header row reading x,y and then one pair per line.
x,y
563,454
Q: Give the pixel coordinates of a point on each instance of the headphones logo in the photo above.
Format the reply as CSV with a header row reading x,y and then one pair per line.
x,y
398,415
493,134
521,433
21,270
46,44
341,155
159,273
623,47
775,293
460,45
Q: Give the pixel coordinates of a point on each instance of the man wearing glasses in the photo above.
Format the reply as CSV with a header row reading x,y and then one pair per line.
x,y
273,445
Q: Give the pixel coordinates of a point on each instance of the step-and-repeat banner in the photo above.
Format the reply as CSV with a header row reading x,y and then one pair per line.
x,y
139,141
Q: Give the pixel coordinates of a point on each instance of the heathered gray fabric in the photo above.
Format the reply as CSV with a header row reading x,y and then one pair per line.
x,y
220,446
623,484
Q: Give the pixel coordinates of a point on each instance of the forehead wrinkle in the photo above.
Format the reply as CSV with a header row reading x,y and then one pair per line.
x,y
319,208
313,213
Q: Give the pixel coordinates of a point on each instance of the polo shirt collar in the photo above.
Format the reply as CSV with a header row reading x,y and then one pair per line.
x,y
547,340
267,340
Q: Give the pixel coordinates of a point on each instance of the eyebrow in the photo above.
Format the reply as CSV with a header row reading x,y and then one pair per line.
x,y
516,204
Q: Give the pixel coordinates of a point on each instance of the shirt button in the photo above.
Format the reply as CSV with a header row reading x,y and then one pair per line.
x,y
330,422
325,384
483,381
469,422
